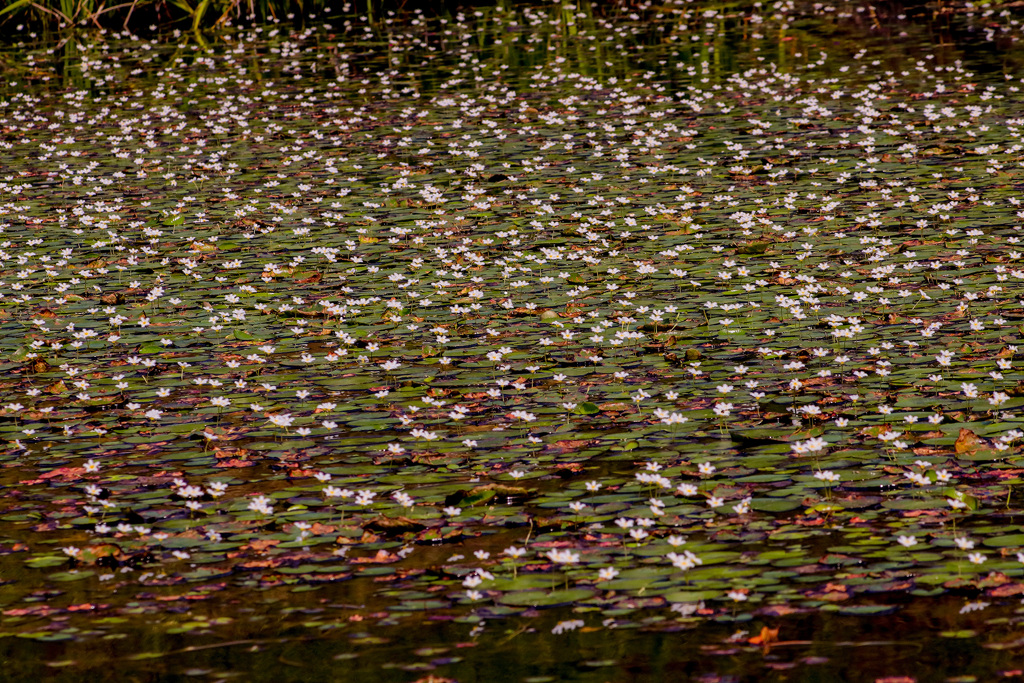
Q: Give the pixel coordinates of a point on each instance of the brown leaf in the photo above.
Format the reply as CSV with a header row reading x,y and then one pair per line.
x,y
92,554
57,387
259,564
765,638
394,524
1006,590
260,544
382,557
234,462
298,472
967,442
781,610
568,445
63,474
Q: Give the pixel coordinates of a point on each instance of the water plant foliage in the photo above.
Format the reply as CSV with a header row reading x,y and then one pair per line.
x,y
682,318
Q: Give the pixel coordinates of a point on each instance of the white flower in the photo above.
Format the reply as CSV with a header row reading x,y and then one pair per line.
x,y
562,556
684,560
973,607
686,609
906,541
262,505
281,420
563,626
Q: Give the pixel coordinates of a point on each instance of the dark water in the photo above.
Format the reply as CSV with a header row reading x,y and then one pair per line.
x,y
382,625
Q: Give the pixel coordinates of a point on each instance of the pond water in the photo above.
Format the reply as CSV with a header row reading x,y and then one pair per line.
x,y
671,342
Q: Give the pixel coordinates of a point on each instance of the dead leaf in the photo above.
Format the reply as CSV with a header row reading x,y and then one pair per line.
x,y
1006,590
382,557
260,544
765,638
967,443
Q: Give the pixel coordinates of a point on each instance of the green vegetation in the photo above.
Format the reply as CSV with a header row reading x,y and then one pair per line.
x,y
64,14
415,347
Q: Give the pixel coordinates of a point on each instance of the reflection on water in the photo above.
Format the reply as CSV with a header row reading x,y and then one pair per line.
x,y
376,626
312,640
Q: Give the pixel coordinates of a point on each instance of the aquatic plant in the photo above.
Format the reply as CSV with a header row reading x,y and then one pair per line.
x,y
429,325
